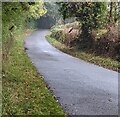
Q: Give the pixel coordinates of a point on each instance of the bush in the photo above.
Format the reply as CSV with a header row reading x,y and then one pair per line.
x,y
75,25
105,42
63,35
58,35
108,44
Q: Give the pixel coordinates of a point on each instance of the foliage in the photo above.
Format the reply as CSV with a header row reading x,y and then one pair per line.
x,y
52,10
14,14
51,17
92,15
105,62
89,14
106,44
116,10
24,92
60,32
113,13
36,10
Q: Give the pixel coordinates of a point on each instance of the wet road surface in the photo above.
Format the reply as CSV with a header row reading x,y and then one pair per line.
x,y
80,87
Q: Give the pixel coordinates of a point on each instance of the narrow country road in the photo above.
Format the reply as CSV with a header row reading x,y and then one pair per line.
x,y
80,87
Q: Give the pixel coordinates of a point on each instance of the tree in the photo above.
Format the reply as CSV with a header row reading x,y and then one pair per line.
x,y
110,14
113,12
16,13
51,17
91,15
14,18
52,10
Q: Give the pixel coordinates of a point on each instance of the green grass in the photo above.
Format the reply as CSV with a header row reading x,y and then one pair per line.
x,y
92,58
55,43
24,91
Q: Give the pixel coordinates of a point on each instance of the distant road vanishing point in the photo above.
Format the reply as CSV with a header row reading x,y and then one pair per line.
x,y
80,87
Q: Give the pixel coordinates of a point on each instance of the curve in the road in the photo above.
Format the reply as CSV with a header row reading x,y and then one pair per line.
x,y
81,88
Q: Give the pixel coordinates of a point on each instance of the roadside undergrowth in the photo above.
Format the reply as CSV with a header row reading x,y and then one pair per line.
x,y
24,91
89,57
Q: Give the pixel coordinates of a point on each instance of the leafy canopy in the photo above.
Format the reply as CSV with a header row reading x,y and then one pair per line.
x,y
17,13
89,14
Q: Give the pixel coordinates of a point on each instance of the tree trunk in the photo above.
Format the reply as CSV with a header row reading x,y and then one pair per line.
x,y
110,13
86,39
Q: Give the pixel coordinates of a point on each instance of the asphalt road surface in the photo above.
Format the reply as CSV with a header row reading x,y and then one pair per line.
x,y
80,87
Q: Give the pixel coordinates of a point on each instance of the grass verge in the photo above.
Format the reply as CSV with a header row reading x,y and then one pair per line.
x,y
92,58
24,92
